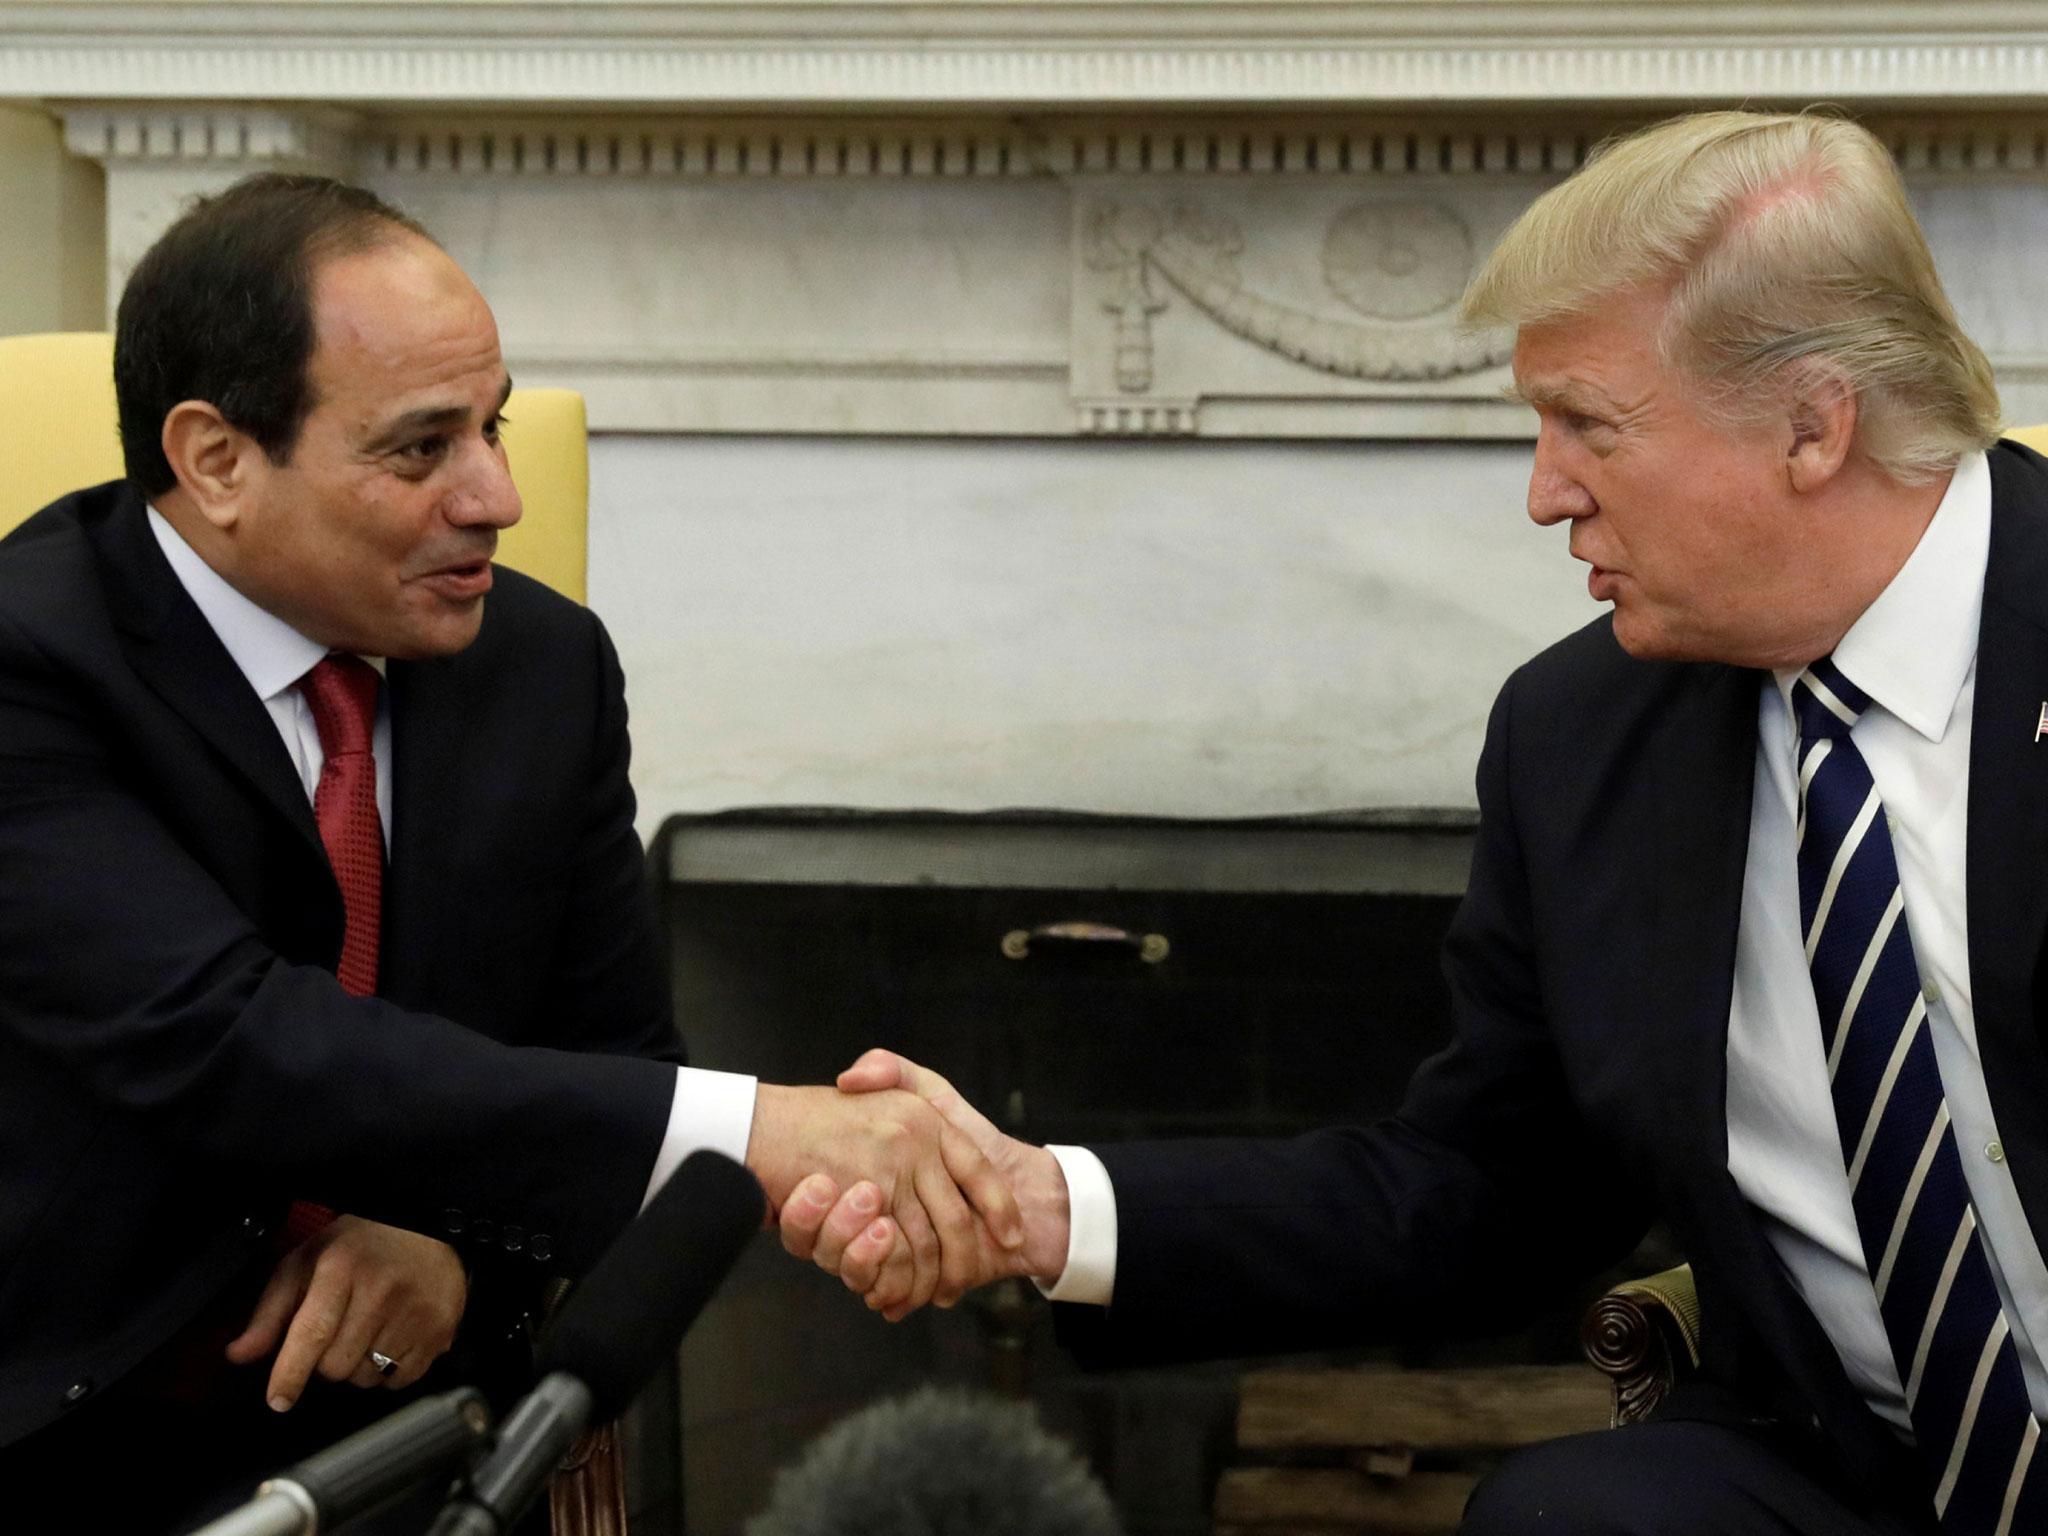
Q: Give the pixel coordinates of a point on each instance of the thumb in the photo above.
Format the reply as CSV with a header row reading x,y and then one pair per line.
x,y
878,1069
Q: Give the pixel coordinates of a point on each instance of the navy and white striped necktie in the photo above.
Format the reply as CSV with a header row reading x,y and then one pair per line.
x,y
1949,1334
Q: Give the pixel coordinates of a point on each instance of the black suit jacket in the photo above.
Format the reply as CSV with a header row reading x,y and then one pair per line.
x,y
1585,1092
177,1061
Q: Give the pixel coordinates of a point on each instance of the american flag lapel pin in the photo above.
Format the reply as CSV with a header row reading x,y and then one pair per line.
x,y
2041,728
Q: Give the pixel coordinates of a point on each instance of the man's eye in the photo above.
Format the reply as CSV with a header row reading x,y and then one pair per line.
x,y
424,450
494,427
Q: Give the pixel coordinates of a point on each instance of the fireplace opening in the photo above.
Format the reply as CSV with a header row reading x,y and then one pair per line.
x,y
1080,978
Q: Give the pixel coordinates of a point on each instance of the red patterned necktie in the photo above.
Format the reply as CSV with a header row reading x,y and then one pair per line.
x,y
342,691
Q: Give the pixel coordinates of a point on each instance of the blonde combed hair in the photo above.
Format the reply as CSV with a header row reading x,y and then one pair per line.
x,y
1789,249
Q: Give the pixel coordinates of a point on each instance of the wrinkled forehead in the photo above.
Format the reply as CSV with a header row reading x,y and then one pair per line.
x,y
1611,351
398,322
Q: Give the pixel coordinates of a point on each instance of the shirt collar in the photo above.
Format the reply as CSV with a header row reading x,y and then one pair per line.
x,y
1912,648
270,653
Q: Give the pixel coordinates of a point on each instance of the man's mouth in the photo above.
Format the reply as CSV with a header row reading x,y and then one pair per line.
x,y
461,582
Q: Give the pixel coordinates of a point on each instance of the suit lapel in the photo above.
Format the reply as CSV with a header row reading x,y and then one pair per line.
x,y
2008,820
428,746
176,653
1704,803
1701,841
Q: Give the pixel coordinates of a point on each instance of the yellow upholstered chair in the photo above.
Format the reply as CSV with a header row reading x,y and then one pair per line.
x,y
2035,438
57,399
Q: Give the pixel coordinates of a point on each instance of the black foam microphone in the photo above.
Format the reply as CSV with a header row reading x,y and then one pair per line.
x,y
617,1327
363,1472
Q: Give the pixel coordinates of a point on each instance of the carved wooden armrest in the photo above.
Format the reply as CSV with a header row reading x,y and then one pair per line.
x,y
1645,1334
587,1495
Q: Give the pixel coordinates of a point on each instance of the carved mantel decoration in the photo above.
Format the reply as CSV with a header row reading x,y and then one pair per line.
x,y
1048,217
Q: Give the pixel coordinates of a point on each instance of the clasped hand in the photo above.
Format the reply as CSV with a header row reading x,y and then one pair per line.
x,y
857,1224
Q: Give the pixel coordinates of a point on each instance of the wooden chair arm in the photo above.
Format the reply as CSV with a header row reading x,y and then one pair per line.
x,y
587,1494
1645,1335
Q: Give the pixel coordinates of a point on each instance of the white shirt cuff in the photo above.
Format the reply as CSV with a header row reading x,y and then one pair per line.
x,y
711,1112
1090,1275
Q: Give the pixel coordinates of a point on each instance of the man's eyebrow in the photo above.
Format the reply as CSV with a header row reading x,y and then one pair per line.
x,y
430,418
1565,394
1540,392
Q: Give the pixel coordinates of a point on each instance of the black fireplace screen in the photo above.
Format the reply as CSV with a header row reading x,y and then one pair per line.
x,y
1079,978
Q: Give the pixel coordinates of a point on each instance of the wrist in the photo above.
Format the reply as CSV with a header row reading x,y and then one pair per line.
x,y
770,1140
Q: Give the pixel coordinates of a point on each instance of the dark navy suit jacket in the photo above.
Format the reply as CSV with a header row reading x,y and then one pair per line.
x,y
1584,1094
177,1061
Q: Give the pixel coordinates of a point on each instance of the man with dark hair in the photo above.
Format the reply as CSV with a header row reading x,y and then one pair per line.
x,y
323,895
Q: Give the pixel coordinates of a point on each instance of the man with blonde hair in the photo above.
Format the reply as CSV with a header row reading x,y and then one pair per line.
x,y
1754,929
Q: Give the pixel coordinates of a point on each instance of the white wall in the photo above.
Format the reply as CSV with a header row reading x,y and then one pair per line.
x,y
1166,628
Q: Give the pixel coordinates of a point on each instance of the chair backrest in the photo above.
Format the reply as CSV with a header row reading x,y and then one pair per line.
x,y
57,398
2035,438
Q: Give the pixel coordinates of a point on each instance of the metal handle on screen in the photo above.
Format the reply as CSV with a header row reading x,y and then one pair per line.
x,y
1148,947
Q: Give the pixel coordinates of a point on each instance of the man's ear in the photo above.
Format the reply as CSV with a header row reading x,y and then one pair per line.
x,y
211,458
1822,415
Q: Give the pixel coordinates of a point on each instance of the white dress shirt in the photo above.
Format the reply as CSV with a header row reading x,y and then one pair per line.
x,y
713,1110
1914,652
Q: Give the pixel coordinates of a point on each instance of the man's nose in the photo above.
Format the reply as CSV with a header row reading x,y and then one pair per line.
x,y
487,498
1554,495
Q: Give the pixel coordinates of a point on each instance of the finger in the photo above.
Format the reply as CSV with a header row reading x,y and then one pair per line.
x,y
986,1190
947,1100
803,1214
875,1070
412,1365
868,1253
923,1239
848,1219
274,1309
415,1339
348,1350
885,1069
312,1331
890,1294
958,1242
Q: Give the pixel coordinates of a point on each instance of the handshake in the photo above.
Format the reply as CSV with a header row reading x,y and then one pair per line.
x,y
896,1184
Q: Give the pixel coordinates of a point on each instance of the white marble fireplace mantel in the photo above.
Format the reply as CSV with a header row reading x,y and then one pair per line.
x,y
1048,402
831,54
1069,217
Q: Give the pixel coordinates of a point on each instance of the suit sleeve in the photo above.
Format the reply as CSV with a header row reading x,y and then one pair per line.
x,y
1476,1203
128,975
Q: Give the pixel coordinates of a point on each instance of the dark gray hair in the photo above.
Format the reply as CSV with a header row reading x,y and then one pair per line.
x,y
938,1463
